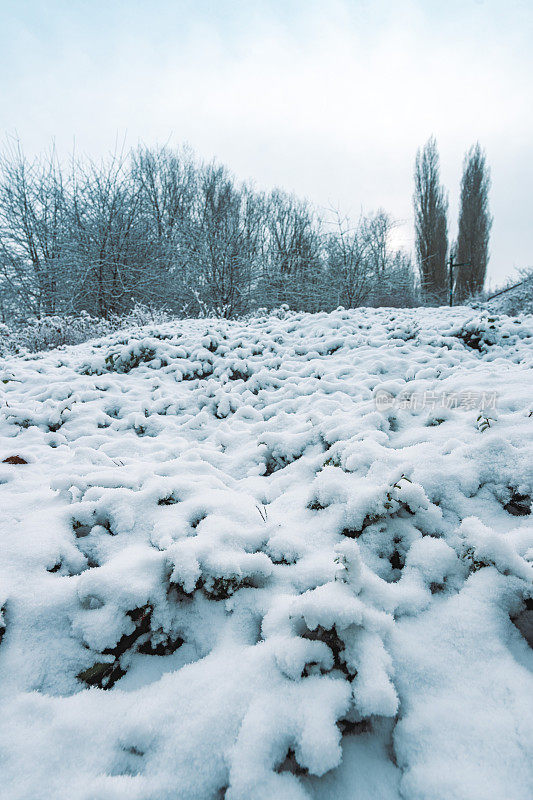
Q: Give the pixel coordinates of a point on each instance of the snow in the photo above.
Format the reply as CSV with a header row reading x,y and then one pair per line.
x,y
289,556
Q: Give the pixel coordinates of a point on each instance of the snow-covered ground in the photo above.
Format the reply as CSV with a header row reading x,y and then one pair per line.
x,y
270,560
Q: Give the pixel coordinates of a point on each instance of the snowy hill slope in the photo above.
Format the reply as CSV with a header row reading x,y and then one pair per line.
x,y
284,558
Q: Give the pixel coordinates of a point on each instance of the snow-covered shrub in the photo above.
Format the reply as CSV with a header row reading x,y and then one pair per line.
x,y
227,572
47,333
479,334
140,315
485,332
518,300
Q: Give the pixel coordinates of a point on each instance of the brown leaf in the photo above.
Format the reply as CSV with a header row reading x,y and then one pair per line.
x,y
14,460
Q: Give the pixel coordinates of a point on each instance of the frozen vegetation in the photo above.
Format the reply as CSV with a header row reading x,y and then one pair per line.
x,y
274,559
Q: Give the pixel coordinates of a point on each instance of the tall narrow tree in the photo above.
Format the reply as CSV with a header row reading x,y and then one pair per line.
x,y
475,223
431,227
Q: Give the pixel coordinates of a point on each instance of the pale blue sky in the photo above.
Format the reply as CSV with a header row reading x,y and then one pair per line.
x,y
327,98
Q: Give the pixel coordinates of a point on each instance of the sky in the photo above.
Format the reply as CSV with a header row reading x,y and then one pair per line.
x,y
329,99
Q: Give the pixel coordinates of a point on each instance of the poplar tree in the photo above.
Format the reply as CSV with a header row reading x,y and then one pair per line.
x,y
475,223
431,226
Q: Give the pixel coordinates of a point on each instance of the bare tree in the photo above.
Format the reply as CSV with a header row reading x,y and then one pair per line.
x,y
475,223
294,269
431,228
393,279
376,229
168,181
397,286
349,271
222,242
33,244
169,184
117,264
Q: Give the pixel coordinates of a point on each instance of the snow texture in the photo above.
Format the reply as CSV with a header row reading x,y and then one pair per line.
x,y
271,558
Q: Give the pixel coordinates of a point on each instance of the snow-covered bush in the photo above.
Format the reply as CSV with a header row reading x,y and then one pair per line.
x,y
47,333
484,331
141,314
479,334
518,300
227,571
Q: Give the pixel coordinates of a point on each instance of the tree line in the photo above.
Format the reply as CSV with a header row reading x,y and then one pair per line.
x,y
160,227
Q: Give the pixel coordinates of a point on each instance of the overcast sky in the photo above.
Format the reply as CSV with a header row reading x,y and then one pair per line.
x,y
326,98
